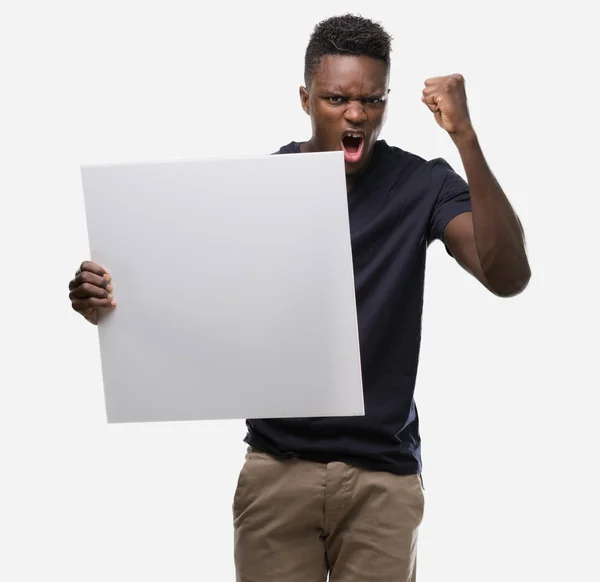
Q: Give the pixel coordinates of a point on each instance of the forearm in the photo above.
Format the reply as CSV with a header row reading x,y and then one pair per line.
x,y
499,236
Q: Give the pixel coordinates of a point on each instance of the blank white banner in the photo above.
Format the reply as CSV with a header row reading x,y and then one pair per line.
x,y
234,287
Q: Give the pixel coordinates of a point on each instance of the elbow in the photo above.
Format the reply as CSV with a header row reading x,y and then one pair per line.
x,y
507,273
514,285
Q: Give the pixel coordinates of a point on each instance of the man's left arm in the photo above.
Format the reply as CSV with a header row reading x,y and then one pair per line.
x,y
488,241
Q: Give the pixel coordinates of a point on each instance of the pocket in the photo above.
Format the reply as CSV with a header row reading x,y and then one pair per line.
x,y
241,484
421,496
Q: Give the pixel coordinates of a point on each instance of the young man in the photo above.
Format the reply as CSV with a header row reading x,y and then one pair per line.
x,y
343,495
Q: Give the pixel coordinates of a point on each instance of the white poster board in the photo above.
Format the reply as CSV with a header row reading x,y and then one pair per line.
x,y
234,287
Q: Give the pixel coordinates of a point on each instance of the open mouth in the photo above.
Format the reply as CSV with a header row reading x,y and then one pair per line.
x,y
352,144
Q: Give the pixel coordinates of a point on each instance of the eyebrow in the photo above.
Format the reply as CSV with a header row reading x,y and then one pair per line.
x,y
338,90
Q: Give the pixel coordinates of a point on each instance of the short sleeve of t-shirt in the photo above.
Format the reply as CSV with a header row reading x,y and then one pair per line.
x,y
453,198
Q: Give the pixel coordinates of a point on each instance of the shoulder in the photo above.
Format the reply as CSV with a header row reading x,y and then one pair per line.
x,y
437,171
444,179
394,152
291,148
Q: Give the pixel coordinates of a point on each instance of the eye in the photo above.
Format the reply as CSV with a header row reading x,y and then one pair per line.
x,y
375,100
335,99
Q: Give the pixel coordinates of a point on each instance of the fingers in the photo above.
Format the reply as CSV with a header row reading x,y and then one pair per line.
x,y
83,305
92,268
443,85
91,288
86,290
92,273
430,90
89,277
444,79
431,102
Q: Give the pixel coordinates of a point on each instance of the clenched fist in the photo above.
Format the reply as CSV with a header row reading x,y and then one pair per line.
x,y
91,290
447,99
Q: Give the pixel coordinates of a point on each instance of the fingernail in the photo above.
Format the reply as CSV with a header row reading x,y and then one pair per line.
x,y
110,297
107,276
109,288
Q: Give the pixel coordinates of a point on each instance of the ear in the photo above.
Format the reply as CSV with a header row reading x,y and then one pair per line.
x,y
304,100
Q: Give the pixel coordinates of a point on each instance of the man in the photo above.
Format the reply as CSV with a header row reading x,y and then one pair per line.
x,y
343,495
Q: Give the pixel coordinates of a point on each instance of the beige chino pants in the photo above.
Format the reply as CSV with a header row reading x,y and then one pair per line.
x,y
298,521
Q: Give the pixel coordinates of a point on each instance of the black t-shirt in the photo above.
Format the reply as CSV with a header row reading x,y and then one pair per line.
x,y
397,207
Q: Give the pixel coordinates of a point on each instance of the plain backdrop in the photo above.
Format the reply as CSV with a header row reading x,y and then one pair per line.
x,y
507,390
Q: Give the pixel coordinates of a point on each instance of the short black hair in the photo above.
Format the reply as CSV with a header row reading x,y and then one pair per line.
x,y
346,35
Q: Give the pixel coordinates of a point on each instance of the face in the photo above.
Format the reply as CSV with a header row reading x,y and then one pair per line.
x,y
346,101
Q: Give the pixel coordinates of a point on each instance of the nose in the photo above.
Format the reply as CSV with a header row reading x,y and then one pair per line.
x,y
355,113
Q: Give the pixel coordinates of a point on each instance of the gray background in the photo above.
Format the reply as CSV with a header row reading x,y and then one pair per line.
x,y
509,442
